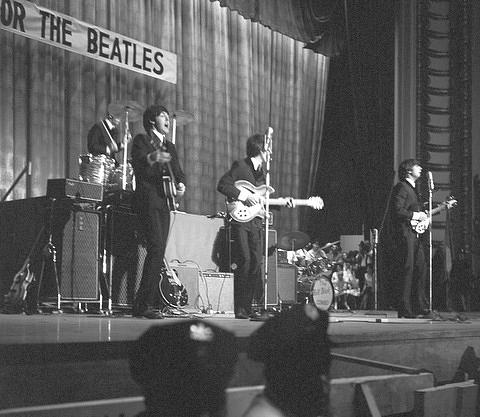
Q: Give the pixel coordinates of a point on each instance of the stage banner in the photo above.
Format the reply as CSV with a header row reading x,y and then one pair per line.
x,y
62,31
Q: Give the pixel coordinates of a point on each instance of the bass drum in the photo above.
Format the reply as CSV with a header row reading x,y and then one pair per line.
x,y
322,293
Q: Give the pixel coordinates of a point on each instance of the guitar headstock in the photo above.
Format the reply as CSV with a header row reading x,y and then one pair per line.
x,y
316,203
450,202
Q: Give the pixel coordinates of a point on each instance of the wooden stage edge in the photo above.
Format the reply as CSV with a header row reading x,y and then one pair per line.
x,y
53,358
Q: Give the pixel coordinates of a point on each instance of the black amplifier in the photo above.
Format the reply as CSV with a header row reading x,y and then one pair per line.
x,y
79,190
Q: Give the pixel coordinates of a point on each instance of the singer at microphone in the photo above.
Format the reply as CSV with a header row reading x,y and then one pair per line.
x,y
409,267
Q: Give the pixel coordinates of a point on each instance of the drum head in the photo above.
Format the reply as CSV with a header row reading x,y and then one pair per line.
x,y
322,293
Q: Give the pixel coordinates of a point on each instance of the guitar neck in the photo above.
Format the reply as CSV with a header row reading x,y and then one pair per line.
x,y
438,209
284,201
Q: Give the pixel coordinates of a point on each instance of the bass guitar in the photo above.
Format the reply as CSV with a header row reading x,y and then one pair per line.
x,y
420,226
242,213
172,291
168,181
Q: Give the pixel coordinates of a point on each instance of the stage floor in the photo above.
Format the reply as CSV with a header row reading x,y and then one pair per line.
x,y
345,326
51,358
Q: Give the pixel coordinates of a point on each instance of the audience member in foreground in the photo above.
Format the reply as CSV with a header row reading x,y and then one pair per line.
x,y
184,368
295,350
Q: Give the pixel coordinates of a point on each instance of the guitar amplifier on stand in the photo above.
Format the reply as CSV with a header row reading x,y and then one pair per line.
x,y
80,190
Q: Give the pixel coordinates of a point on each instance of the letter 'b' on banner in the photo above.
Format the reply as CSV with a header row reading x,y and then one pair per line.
x,y
62,31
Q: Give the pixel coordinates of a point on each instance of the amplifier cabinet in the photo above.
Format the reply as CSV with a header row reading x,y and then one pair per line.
x,y
216,289
68,188
77,244
287,283
206,288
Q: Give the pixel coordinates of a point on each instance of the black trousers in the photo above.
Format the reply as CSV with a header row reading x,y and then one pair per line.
x,y
246,262
155,223
413,270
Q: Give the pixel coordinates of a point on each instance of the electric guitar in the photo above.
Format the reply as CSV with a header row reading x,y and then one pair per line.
x,y
242,213
420,226
15,298
172,291
168,181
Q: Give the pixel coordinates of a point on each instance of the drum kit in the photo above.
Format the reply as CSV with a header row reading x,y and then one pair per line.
x,y
102,169
314,284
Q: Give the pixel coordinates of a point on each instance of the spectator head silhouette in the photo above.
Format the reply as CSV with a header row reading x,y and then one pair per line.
x,y
183,368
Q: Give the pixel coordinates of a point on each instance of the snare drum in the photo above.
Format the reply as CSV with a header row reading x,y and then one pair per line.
x,y
322,293
95,168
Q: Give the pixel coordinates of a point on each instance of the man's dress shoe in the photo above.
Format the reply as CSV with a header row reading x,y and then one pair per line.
x,y
149,314
241,314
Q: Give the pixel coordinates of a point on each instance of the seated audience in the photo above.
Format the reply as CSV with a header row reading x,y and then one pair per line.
x,y
184,368
295,350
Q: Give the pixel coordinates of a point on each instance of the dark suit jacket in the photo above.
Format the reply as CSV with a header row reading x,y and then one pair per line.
x,y
405,201
240,170
148,177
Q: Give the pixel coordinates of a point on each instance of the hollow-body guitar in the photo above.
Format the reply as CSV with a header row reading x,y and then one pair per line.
x,y
243,213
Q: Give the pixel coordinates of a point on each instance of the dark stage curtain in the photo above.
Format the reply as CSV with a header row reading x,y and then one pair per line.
x,y
236,76
318,23
356,164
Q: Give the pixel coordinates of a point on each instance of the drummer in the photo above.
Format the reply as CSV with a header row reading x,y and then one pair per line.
x,y
103,137
315,253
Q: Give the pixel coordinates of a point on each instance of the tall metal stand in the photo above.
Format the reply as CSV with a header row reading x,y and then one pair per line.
x,y
374,240
126,138
268,151
430,246
49,252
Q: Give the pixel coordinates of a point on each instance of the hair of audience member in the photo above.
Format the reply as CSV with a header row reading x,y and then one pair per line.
x,y
295,350
184,368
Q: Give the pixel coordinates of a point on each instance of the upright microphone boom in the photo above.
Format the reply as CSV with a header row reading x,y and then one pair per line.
x,y
430,181
268,139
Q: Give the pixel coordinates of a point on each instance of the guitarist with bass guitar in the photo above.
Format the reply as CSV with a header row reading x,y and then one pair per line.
x,y
243,185
159,180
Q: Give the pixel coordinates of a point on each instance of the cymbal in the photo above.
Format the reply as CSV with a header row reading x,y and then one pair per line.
x,y
183,117
330,244
293,241
119,109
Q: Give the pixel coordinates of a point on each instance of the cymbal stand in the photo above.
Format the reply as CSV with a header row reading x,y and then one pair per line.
x,y
268,151
50,252
126,138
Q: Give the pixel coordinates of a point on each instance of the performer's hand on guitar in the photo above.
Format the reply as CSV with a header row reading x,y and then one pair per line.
x,y
181,189
159,156
252,200
421,216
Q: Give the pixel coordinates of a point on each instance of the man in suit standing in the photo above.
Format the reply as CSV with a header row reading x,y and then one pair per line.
x,y
246,237
153,157
411,265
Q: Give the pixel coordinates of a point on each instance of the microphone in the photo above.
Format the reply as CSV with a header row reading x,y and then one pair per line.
x,y
430,180
267,146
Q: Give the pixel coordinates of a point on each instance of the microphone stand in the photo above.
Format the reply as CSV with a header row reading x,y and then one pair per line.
x,y
374,240
126,137
268,151
430,246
